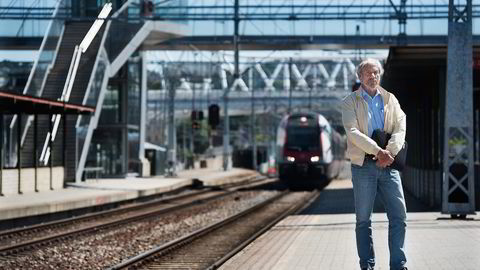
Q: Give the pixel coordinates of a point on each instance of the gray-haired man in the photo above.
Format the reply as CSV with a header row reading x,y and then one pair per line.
x,y
369,108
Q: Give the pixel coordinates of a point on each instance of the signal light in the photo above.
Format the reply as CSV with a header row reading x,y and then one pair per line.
x,y
196,115
213,115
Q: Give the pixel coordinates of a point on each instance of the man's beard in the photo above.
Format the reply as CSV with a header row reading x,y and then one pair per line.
x,y
372,83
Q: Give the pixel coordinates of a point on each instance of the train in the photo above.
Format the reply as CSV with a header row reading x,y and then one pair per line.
x,y
309,151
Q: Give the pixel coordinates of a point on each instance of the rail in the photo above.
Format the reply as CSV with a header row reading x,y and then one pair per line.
x,y
234,227
29,238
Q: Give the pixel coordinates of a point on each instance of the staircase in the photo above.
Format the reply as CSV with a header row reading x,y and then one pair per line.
x,y
123,39
73,35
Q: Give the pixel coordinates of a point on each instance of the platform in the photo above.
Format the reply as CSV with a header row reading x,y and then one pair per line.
x,y
103,191
324,238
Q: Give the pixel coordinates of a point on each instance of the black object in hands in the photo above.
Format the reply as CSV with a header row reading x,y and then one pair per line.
x,y
382,138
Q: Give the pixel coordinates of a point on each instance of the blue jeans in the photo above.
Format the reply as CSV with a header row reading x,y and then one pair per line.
x,y
367,181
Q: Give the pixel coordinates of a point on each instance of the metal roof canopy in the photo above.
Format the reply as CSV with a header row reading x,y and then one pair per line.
x,y
11,103
423,52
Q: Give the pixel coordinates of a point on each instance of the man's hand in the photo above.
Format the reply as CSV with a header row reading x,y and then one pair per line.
x,y
384,158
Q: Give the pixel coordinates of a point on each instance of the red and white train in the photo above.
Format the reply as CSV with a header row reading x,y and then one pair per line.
x,y
310,153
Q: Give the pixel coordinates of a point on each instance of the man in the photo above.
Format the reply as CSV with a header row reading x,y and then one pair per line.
x,y
369,108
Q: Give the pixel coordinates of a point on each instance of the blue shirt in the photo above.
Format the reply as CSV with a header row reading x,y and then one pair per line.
x,y
376,118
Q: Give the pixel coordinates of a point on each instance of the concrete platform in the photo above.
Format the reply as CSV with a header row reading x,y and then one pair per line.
x,y
104,191
326,240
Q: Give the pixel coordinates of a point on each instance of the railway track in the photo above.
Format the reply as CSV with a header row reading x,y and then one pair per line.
x,y
210,247
29,238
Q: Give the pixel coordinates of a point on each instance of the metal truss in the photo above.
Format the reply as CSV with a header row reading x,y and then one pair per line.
x,y
458,173
327,74
298,42
265,11
289,11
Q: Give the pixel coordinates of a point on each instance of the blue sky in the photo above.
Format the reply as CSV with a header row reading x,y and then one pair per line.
x,y
319,27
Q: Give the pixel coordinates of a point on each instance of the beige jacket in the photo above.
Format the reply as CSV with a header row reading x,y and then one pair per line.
x,y
355,122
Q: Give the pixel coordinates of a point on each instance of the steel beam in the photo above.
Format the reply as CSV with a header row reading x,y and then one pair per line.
x,y
458,173
300,42
268,42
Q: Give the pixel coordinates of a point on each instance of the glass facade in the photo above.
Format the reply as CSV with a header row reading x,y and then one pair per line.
x,y
134,85
31,27
106,151
134,164
10,143
115,141
114,145
111,113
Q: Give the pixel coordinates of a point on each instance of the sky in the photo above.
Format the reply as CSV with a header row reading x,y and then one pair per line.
x,y
318,27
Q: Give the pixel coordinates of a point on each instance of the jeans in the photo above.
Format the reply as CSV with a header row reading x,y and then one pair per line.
x,y
367,181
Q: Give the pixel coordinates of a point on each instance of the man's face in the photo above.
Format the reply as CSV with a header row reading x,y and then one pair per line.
x,y
370,76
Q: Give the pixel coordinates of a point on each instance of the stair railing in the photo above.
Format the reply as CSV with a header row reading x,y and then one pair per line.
x,y
44,62
72,72
114,58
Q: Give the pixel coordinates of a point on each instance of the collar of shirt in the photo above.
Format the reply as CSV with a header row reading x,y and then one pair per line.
x,y
375,111
365,95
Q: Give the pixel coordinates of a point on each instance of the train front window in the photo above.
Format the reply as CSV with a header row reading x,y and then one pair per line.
x,y
303,138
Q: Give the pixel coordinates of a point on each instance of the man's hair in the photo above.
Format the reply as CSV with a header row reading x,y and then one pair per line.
x,y
368,62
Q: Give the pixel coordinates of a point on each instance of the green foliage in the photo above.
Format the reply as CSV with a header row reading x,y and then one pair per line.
x,y
200,142
457,141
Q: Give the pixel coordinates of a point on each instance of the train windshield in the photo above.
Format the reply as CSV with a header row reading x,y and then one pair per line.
x,y
303,134
303,139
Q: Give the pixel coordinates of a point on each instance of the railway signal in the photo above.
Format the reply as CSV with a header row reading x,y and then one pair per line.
x,y
195,124
213,115
196,116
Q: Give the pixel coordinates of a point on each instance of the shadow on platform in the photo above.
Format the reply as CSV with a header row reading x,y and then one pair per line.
x,y
340,201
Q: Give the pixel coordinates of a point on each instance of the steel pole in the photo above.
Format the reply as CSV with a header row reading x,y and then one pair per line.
x,y
252,120
236,75
172,140
19,152
290,86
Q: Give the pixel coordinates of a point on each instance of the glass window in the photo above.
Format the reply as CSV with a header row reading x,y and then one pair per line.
x,y
111,106
133,148
302,138
10,142
106,151
133,93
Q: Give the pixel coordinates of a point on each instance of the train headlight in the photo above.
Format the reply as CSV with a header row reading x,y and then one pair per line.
x,y
315,159
291,159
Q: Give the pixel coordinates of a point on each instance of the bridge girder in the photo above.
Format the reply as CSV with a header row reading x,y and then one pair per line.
x,y
301,42
266,42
